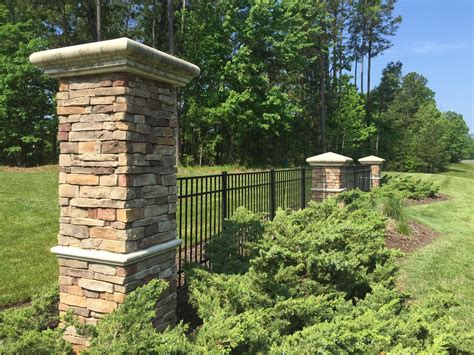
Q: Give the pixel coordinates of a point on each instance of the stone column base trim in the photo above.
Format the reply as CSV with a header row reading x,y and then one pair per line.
x,y
317,189
110,258
376,178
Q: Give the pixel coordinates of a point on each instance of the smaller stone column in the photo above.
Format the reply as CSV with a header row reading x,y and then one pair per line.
x,y
375,169
328,175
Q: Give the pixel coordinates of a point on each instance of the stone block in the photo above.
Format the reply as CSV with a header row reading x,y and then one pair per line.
x,y
75,231
66,190
72,300
94,285
79,273
80,179
77,264
101,306
103,233
111,91
103,269
86,147
68,148
70,110
130,214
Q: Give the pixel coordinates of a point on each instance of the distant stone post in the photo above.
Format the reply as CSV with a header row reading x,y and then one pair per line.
x,y
328,175
117,183
375,169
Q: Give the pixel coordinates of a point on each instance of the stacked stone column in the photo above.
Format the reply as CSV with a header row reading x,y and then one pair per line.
x,y
328,175
375,169
117,192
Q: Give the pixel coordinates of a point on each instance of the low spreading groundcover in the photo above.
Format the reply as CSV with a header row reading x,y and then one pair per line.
x,y
315,280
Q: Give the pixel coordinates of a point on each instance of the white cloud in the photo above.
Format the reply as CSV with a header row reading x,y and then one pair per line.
x,y
428,47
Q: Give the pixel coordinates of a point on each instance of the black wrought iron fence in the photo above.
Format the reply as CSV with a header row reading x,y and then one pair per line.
x,y
357,176
204,202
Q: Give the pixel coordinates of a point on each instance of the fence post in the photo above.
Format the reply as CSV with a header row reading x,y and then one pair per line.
x,y
272,194
375,164
117,184
303,188
224,197
328,175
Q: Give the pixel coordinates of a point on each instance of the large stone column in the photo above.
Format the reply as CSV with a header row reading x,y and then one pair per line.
x,y
375,169
117,133
328,175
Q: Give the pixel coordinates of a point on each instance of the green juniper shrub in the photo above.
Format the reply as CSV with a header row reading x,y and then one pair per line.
x,y
322,280
240,232
129,330
409,186
33,328
318,279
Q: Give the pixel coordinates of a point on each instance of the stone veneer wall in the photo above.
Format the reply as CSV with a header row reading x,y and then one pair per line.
x,y
326,182
117,135
375,172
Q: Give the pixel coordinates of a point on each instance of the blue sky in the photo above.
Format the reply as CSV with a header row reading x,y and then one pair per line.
x,y
435,39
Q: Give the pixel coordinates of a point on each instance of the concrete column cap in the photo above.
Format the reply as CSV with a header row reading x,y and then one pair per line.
x,y
329,159
371,160
116,55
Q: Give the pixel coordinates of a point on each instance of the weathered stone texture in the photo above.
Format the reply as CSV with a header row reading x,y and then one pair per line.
x,y
91,290
375,172
325,179
117,190
117,158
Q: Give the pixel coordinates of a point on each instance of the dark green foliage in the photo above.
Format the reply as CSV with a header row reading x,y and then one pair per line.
x,y
390,199
379,323
32,329
273,75
408,186
130,330
27,115
319,280
412,134
322,281
240,232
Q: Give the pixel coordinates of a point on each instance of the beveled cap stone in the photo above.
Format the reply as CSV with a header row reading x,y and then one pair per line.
x,y
329,159
371,160
116,55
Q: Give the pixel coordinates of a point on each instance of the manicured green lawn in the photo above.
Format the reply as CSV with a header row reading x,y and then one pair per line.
x,y
29,215
446,266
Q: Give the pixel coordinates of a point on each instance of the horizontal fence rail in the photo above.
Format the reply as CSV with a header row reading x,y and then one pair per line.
x,y
204,202
357,177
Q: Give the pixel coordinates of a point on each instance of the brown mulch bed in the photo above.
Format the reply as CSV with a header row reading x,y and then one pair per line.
x,y
428,200
420,236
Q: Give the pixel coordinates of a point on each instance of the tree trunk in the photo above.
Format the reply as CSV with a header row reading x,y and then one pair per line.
x,y
362,75
335,49
355,74
153,26
170,14
377,142
369,62
182,16
64,20
322,104
98,22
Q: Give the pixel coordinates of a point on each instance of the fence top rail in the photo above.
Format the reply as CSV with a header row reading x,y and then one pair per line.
x,y
256,172
358,167
191,177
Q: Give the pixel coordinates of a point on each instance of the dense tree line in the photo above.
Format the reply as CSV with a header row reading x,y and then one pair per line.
x,y
281,80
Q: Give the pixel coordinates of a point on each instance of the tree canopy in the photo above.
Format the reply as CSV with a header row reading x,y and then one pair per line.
x,y
291,76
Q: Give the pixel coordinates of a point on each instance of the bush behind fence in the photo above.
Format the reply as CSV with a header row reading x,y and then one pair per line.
x,y
204,202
